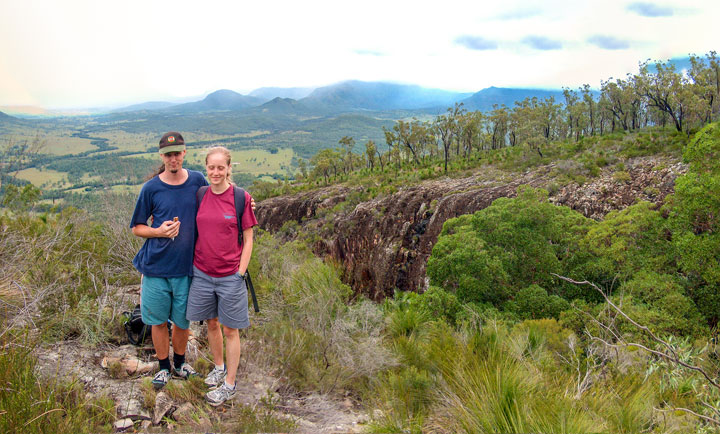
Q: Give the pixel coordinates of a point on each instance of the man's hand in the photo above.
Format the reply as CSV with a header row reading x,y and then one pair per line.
x,y
252,203
168,229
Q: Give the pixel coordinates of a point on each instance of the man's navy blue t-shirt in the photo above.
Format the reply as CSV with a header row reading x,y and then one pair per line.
x,y
163,257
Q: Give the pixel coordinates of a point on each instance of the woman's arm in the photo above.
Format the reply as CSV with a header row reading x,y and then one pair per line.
x,y
246,251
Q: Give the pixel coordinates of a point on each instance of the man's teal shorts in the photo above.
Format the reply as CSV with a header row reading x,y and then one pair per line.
x,y
164,298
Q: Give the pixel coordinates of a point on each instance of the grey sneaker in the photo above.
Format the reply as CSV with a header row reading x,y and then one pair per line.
x,y
216,377
218,396
161,379
185,371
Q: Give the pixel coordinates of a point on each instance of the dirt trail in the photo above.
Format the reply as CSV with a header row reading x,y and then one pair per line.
x,y
259,394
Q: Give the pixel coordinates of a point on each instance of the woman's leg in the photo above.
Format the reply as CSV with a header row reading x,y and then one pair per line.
x,y
215,340
233,353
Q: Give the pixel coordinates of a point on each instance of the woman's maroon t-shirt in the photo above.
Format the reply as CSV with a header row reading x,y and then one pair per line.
x,y
217,252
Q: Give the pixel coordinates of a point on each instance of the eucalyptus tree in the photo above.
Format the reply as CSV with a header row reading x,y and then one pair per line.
x,y
668,91
403,131
470,128
623,101
321,165
498,122
423,137
347,144
391,141
706,84
573,112
370,150
521,121
550,118
590,106
444,126
326,160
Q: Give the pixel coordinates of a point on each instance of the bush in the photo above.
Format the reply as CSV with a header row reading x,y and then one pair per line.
x,y
313,335
490,256
440,304
63,266
626,242
703,151
534,302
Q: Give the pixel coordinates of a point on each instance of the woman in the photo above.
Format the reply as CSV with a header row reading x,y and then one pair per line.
x,y
218,293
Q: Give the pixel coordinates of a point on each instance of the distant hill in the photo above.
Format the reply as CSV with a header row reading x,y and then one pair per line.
x,y
486,98
285,106
219,100
36,112
360,95
152,105
269,93
7,119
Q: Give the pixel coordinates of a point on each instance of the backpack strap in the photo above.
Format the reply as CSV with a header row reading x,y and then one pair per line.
x,y
239,208
199,194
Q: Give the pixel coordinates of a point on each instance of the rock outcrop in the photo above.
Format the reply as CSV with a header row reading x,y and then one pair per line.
x,y
384,243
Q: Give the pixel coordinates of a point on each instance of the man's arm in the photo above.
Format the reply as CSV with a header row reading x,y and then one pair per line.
x,y
168,229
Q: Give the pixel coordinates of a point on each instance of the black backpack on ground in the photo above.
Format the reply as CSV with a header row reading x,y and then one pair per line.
x,y
239,195
137,331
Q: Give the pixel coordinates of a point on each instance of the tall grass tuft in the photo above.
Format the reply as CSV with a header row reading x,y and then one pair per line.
x,y
30,404
491,387
312,333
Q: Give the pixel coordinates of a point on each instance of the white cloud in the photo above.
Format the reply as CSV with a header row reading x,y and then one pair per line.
x,y
90,53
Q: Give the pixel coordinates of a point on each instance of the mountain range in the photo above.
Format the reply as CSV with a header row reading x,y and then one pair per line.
x,y
346,96
349,96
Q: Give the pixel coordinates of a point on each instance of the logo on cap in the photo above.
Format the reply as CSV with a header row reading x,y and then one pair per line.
x,y
171,139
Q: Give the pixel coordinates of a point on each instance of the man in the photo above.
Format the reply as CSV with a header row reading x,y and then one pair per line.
x,y
165,216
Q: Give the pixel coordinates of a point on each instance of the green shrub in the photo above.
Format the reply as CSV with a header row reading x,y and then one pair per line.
x,y
439,304
659,302
703,151
626,242
491,255
534,302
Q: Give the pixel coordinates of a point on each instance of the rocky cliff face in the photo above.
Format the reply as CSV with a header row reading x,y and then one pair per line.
x,y
384,243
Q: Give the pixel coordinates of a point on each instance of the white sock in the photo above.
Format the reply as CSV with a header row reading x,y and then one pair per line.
x,y
230,386
220,367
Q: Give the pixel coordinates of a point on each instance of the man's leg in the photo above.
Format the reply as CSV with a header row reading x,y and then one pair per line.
x,y
181,326
155,308
161,341
232,348
179,339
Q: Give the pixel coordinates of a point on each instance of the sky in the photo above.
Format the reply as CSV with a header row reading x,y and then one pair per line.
x,y
95,53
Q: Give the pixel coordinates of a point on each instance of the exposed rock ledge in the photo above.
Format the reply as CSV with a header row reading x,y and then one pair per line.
x,y
384,243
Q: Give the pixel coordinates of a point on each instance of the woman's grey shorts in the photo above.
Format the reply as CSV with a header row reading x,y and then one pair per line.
x,y
224,298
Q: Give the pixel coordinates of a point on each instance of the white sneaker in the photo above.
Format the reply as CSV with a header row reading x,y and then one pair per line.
x,y
221,394
216,377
